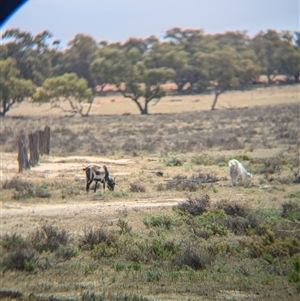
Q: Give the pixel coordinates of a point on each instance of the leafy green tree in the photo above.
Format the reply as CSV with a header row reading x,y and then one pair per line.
x,y
13,88
181,57
265,46
65,88
169,55
31,53
288,57
139,83
79,56
226,69
105,67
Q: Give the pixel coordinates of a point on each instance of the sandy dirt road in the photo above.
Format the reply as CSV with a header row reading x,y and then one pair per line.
x,y
74,217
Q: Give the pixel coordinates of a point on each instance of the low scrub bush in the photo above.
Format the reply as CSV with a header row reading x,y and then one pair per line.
x,y
94,237
183,185
103,250
202,160
66,252
135,187
294,275
49,238
124,226
194,256
25,189
195,206
173,161
11,242
233,209
214,222
20,259
271,165
205,178
18,184
161,249
18,254
164,221
291,210
153,275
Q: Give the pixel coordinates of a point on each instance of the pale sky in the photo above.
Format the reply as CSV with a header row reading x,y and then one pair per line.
x,y
118,20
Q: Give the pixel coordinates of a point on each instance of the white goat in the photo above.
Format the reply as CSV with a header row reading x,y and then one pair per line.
x,y
238,172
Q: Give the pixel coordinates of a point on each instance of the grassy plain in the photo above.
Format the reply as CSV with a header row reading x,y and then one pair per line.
x,y
186,235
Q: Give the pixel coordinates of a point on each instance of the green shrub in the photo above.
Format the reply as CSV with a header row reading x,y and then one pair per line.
x,y
120,266
66,252
161,249
153,275
212,216
164,221
119,194
213,222
294,276
20,259
291,210
11,242
124,226
103,250
49,238
94,237
29,266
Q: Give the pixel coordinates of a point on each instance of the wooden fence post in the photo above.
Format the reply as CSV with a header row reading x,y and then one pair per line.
x,y
47,140
22,154
41,142
34,148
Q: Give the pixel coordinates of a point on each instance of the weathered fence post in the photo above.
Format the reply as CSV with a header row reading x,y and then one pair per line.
x,y
22,154
47,140
41,142
34,148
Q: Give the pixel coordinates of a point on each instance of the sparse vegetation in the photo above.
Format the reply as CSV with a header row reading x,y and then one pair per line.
x,y
216,239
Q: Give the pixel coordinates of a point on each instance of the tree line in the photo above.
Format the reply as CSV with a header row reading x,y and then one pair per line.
x,y
196,62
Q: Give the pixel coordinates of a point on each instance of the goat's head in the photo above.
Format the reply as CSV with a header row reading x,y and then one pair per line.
x,y
249,176
111,183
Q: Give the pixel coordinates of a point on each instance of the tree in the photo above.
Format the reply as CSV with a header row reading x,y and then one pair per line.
x,y
31,53
288,57
169,55
226,69
13,89
104,68
266,46
141,84
65,88
80,55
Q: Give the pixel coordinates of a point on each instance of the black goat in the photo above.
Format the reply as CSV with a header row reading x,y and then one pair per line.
x,y
93,173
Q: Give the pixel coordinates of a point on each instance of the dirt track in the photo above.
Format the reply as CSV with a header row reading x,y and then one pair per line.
x,y
73,217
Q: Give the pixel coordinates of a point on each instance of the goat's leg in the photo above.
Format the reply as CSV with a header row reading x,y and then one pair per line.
x,y
88,183
96,183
